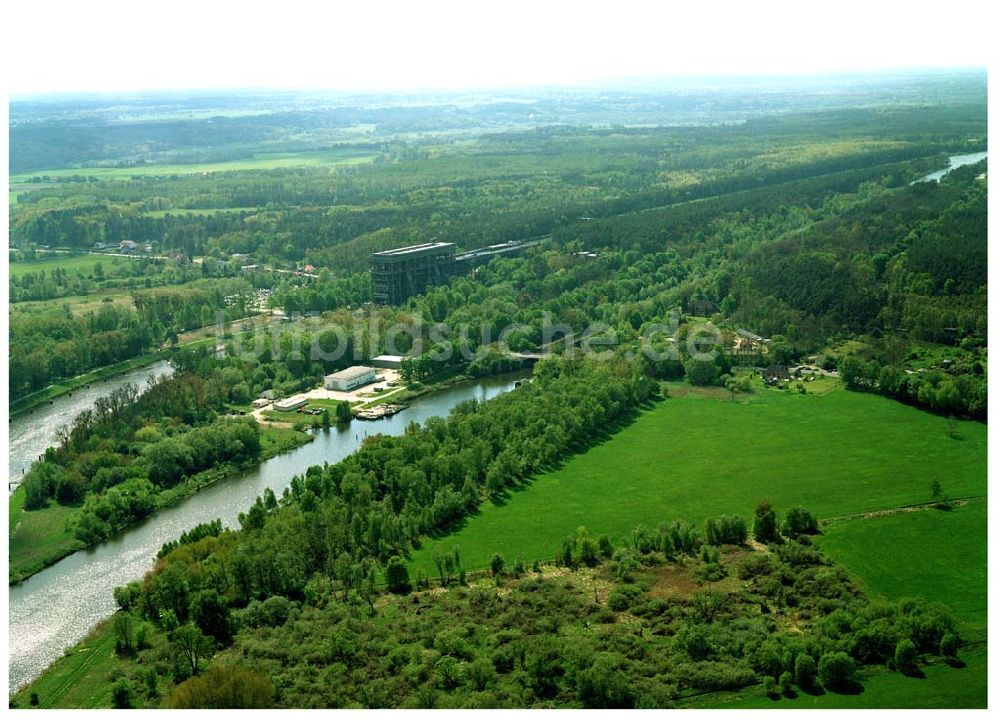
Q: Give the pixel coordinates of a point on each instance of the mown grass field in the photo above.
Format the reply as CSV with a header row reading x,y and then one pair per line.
x,y
697,456
275,441
330,405
941,687
933,554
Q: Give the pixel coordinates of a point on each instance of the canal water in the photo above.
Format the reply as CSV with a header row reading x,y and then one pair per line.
x,y
57,607
33,431
955,161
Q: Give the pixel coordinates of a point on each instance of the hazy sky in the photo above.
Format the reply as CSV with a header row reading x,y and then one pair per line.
x,y
88,45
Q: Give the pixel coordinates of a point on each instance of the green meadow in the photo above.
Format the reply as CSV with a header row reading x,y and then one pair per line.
x,y
929,553
701,455
81,264
38,538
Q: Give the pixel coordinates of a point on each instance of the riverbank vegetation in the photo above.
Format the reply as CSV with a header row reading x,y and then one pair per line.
x,y
129,456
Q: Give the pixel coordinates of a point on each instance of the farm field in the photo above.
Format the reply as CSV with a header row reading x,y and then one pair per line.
x,y
697,456
257,161
948,547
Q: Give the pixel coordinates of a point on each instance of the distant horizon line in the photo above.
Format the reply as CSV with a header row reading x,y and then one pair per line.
x,y
680,81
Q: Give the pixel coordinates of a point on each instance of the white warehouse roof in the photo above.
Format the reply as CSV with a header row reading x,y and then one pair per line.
x,y
351,373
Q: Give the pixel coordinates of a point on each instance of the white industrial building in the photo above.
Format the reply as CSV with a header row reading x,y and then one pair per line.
x,y
393,362
292,403
352,377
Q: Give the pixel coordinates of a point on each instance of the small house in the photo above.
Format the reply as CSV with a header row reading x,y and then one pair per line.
x,y
775,375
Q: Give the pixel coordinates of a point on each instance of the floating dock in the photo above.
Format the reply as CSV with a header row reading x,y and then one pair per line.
x,y
380,411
